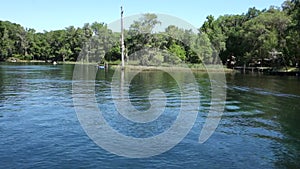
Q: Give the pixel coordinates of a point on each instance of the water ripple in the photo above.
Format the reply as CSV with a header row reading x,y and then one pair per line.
x,y
262,92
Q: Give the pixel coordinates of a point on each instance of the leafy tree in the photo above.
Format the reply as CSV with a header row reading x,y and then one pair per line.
x,y
203,50
178,51
292,49
141,36
212,28
113,54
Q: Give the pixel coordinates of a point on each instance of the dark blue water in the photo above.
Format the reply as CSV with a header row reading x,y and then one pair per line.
x,y
39,128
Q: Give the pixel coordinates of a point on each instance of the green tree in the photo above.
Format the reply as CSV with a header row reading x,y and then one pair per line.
x,y
178,51
141,36
213,30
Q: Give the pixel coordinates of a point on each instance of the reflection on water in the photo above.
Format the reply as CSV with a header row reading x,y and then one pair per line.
x,y
259,129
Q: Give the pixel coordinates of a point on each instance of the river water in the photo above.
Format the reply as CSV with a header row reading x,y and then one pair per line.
x,y
39,128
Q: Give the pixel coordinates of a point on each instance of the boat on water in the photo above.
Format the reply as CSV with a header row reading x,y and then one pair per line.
x,y
101,67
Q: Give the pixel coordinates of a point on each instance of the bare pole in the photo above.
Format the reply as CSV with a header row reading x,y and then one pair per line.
x,y
122,38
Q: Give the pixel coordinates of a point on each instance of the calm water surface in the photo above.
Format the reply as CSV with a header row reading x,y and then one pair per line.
x,y
260,127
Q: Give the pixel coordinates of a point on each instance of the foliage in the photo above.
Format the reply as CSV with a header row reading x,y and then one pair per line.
x,y
249,37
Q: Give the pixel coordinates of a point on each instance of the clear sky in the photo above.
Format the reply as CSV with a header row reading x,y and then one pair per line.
x,y
58,14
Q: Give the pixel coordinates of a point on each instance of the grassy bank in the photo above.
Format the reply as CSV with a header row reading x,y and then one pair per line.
x,y
194,68
114,65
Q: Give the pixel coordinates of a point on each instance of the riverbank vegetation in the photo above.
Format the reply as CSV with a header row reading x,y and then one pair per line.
x,y
268,37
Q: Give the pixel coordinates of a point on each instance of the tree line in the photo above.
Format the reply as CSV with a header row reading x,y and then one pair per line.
x,y
269,37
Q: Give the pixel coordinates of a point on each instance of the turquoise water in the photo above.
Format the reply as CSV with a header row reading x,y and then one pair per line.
x,y
39,127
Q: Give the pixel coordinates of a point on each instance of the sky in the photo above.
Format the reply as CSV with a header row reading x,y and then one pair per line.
x,y
58,14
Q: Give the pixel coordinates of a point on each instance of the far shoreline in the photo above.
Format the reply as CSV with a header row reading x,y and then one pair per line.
x,y
192,67
135,67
